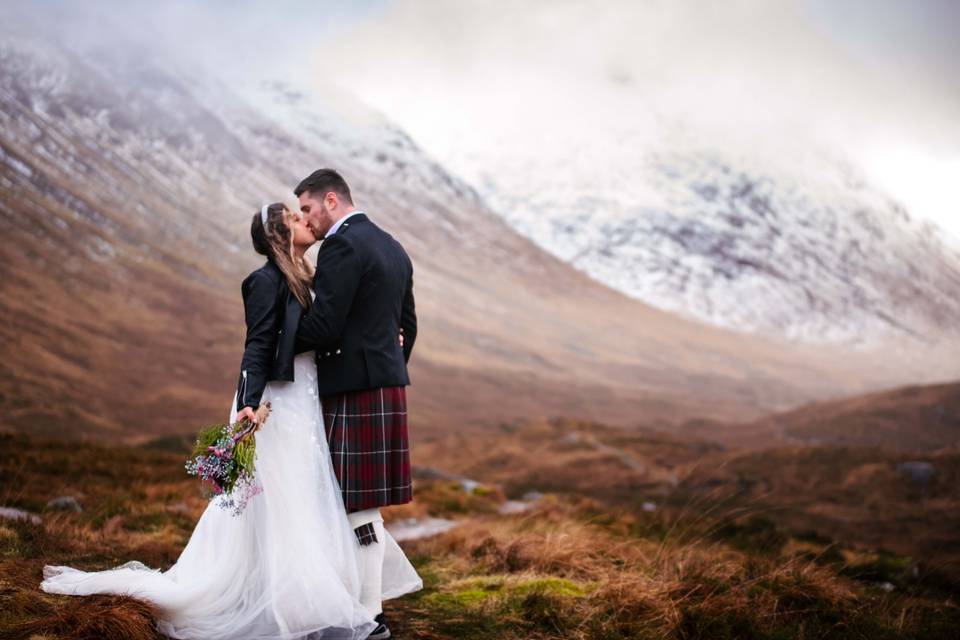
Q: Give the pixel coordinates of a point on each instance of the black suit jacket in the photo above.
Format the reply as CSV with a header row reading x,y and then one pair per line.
x,y
364,296
272,313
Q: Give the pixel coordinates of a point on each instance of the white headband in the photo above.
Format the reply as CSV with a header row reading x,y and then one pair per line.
x,y
263,215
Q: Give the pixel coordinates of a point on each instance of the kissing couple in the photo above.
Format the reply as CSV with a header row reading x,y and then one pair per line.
x,y
327,347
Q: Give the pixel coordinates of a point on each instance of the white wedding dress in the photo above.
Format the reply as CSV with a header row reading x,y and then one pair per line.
x,y
284,568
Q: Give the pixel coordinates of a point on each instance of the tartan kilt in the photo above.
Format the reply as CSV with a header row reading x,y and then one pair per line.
x,y
367,434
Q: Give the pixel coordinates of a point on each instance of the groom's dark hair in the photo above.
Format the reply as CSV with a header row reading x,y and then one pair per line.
x,y
323,180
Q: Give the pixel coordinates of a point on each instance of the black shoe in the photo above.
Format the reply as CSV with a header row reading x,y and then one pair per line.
x,y
382,632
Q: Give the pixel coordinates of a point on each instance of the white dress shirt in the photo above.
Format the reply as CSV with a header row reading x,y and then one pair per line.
x,y
336,225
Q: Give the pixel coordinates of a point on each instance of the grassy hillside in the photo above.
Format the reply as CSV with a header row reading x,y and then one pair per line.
x,y
863,495
917,417
575,564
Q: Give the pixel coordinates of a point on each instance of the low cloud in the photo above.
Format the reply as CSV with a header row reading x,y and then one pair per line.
x,y
506,84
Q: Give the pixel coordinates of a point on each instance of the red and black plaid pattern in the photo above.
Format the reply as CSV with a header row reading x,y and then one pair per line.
x,y
367,433
366,534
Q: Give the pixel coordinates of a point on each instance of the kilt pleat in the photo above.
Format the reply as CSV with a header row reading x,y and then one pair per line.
x,y
367,434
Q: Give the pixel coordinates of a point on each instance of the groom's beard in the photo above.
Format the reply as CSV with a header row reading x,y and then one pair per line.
x,y
320,229
317,234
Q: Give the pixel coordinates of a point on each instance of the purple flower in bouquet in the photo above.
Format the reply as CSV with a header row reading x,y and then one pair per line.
x,y
223,459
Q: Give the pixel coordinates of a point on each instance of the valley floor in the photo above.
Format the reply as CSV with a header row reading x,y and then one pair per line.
x,y
550,565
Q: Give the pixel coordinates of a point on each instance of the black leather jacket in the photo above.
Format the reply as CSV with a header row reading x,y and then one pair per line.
x,y
273,315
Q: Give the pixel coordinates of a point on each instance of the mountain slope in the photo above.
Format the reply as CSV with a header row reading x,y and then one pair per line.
x,y
127,188
797,245
913,418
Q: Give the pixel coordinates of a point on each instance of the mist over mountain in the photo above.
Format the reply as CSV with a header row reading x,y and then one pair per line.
x,y
129,180
807,249
768,168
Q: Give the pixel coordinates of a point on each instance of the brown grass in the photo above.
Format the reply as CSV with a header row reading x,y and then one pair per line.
x,y
573,567
92,618
594,583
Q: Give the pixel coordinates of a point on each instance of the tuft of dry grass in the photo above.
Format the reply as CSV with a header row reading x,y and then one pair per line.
x,y
92,618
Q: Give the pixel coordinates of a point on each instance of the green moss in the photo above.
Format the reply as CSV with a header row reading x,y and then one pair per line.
x,y
467,593
430,570
505,592
552,586
459,600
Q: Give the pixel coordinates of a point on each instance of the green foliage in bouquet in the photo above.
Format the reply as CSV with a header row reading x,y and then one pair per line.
x,y
208,437
224,457
243,453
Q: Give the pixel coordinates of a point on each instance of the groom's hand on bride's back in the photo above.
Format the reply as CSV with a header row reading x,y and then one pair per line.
x,y
247,412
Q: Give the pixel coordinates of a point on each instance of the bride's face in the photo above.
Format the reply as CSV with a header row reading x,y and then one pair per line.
x,y
302,235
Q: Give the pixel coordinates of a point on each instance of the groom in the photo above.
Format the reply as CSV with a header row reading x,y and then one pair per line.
x,y
364,300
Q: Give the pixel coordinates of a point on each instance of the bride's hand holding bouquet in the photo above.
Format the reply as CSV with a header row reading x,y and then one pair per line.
x,y
224,459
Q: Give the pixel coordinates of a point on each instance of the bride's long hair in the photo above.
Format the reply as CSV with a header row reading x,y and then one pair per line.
x,y
275,241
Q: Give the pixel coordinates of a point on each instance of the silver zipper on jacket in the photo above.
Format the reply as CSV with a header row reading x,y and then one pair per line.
x,y
243,395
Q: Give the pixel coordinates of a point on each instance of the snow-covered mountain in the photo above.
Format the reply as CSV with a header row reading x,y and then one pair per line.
x,y
128,185
803,248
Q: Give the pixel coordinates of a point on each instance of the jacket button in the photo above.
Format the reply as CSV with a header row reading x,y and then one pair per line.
x,y
328,353
338,351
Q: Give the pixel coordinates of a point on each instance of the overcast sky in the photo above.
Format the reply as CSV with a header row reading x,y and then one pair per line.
x,y
487,81
502,83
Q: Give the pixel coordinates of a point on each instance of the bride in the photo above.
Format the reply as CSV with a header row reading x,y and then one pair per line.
x,y
287,566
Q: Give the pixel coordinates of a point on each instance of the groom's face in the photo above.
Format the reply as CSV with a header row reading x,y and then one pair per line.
x,y
318,211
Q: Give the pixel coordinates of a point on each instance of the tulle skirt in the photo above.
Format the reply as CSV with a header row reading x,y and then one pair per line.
x,y
286,567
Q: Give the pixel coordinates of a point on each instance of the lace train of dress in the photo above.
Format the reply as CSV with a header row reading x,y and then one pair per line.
x,y
284,568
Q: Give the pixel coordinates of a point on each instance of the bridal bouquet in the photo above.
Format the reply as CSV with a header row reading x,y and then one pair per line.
x,y
223,459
